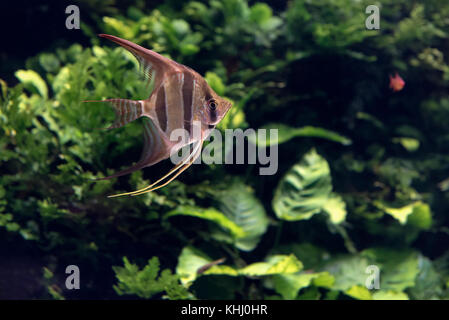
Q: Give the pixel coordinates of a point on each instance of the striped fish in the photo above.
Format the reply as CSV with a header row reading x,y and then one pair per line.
x,y
181,99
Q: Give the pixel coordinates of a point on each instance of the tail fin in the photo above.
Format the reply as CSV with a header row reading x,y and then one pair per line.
x,y
125,110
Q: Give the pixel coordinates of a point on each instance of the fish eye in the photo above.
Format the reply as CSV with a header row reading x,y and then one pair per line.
x,y
212,104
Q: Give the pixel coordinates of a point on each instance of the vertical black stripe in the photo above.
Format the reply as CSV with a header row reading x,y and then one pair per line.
x,y
187,98
161,111
212,113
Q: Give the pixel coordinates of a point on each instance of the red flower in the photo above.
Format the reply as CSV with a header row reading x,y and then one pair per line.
x,y
396,83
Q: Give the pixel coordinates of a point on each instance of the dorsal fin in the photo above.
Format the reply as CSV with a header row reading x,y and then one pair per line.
x,y
153,65
125,110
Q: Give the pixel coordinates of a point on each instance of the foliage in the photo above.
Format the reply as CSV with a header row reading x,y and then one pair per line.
x,y
146,283
362,174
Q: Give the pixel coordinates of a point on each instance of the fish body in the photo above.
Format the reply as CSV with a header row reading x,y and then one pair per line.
x,y
180,99
396,82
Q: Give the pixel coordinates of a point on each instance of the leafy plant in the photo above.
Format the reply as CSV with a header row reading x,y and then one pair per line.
x,y
362,174
147,282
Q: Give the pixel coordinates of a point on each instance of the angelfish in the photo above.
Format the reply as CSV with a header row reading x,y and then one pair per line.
x,y
180,99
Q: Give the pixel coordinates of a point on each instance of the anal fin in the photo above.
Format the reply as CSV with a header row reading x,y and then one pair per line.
x,y
155,149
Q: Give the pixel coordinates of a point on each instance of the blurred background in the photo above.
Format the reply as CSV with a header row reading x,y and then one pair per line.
x,y
363,177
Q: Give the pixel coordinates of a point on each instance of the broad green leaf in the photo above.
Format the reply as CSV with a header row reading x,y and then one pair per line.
x,y
359,292
209,214
324,279
310,293
288,285
304,190
410,144
286,133
401,275
421,216
222,270
191,259
49,62
336,208
417,214
389,295
310,255
188,49
215,82
398,268
240,205
32,80
399,214
348,270
277,264
260,13
180,26
428,283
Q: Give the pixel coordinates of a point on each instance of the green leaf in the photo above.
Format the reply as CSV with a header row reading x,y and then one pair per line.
x,y
370,118
240,205
410,144
310,293
389,295
348,270
359,292
191,260
286,133
49,62
429,283
33,81
118,27
4,88
310,255
288,285
304,190
421,217
398,268
188,49
181,27
215,82
324,279
209,214
417,214
260,13
188,264
235,118
277,264
336,208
